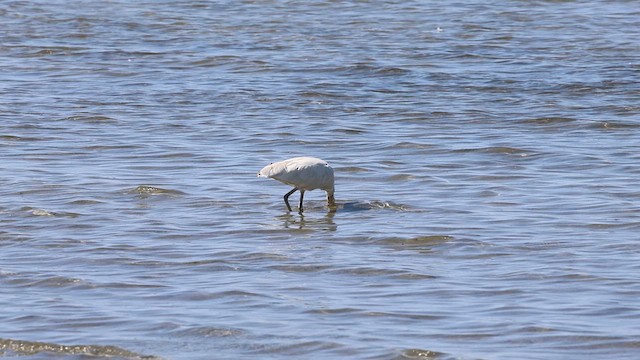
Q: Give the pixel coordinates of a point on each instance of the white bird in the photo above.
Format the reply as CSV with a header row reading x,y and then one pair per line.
x,y
303,173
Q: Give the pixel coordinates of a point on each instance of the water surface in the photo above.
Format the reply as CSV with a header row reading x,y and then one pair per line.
x,y
486,160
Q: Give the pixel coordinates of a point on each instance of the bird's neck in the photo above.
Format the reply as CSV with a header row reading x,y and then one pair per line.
x,y
331,200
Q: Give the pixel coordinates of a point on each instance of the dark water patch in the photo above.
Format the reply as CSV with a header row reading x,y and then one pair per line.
x,y
82,202
124,54
500,178
402,177
213,61
230,295
373,205
114,148
366,271
352,169
421,354
92,119
207,266
14,138
11,347
37,52
372,70
585,89
207,332
613,125
413,276
612,226
334,311
252,66
535,330
49,213
177,155
11,239
236,64
301,268
41,188
358,69
350,131
297,348
500,150
391,162
402,315
545,121
47,281
144,191
412,145
416,243
592,342
321,95
252,257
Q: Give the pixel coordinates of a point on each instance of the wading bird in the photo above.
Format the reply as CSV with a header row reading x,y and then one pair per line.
x,y
303,173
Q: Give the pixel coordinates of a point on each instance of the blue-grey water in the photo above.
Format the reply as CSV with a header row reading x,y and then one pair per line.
x,y
487,157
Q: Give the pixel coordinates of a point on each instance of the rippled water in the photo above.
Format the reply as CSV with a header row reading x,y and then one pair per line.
x,y
486,154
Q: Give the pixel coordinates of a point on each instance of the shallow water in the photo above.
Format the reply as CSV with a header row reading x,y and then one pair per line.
x,y
486,159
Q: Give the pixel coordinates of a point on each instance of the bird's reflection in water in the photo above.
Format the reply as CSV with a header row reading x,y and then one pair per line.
x,y
320,217
311,220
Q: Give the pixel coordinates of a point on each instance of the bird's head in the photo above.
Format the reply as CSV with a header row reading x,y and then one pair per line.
x,y
265,171
331,200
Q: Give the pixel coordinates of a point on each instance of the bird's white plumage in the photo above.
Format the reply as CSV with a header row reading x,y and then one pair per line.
x,y
304,174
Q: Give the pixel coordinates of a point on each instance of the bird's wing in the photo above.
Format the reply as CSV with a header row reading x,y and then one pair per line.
x,y
290,172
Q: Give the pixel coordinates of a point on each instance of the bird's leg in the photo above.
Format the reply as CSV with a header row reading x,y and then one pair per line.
x,y
300,206
286,197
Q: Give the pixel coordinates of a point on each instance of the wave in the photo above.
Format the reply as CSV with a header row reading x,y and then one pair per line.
x,y
9,347
147,190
